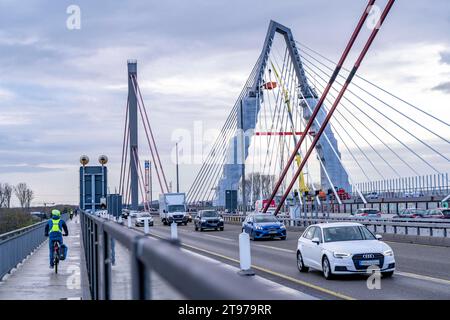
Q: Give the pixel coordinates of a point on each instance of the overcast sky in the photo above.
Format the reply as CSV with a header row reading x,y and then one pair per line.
x,y
63,92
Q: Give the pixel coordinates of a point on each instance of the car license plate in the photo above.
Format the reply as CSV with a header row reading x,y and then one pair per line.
x,y
368,262
272,232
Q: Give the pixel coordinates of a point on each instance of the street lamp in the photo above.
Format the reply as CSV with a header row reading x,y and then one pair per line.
x,y
178,181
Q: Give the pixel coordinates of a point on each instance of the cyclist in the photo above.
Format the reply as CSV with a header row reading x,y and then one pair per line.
x,y
53,230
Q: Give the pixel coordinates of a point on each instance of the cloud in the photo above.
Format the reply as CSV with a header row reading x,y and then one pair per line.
x,y
6,94
443,87
445,57
26,169
63,93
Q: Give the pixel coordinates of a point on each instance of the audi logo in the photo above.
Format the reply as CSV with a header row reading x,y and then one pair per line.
x,y
368,256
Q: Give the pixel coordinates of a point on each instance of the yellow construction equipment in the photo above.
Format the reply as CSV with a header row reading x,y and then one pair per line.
x,y
298,159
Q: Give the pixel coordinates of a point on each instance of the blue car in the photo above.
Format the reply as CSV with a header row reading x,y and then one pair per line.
x,y
264,226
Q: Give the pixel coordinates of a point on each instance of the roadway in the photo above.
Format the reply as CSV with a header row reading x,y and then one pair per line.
x,y
423,272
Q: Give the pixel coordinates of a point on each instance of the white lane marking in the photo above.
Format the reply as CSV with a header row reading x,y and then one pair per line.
x,y
421,277
275,248
218,237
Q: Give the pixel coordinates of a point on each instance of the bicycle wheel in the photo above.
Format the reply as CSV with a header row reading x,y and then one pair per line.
x,y
56,259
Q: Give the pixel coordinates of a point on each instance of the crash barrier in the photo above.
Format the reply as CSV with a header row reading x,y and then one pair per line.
x,y
436,228
181,270
386,206
16,245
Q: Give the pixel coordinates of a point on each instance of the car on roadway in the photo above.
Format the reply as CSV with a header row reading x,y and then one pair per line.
x,y
98,213
413,194
125,213
410,213
445,212
141,217
208,219
372,195
264,226
367,213
438,213
339,248
133,213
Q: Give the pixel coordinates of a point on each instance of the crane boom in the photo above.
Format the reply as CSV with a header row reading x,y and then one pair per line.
x,y
301,180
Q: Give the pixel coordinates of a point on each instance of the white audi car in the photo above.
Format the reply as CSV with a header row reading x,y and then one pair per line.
x,y
343,248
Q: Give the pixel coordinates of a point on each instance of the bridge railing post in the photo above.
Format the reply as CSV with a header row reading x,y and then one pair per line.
x,y
140,277
104,264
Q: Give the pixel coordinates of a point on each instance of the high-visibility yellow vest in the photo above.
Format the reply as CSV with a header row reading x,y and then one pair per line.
x,y
55,226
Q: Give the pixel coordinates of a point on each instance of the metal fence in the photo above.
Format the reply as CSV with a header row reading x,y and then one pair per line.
x,y
183,271
401,226
385,205
16,245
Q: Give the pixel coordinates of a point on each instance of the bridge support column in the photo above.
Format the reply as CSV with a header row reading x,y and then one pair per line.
x,y
133,127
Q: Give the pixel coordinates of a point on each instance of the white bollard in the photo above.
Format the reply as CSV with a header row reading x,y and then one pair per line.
x,y
173,231
129,222
146,226
245,255
120,220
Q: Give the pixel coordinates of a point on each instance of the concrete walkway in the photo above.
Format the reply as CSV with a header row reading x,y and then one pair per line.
x,y
33,280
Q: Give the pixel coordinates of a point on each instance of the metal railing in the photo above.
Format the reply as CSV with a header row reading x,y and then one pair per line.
x,y
377,225
385,205
183,271
16,245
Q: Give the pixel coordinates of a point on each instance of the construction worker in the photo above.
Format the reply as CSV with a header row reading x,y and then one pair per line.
x,y
53,230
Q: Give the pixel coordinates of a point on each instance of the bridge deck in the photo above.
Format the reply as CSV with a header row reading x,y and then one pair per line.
x,y
33,280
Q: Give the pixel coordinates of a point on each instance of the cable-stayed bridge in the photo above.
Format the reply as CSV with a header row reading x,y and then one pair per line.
x,y
310,133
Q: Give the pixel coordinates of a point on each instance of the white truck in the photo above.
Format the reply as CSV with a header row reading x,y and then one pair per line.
x,y
172,207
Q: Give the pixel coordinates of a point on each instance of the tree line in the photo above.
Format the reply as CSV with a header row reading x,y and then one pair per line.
x,y
22,192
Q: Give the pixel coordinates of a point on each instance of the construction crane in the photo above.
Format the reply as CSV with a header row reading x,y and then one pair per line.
x,y
301,181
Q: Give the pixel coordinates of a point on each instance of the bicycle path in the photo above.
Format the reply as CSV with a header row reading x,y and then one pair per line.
x,y
34,280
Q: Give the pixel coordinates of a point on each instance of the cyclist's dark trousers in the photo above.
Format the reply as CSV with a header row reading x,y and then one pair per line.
x,y
51,241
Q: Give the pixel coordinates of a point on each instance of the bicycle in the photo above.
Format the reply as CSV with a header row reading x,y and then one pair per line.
x,y
56,247
57,254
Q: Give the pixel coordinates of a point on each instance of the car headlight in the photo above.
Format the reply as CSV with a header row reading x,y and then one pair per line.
x,y
221,219
388,253
282,226
341,255
203,220
258,228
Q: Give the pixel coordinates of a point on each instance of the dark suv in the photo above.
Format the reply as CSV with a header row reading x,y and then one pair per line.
x,y
208,219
